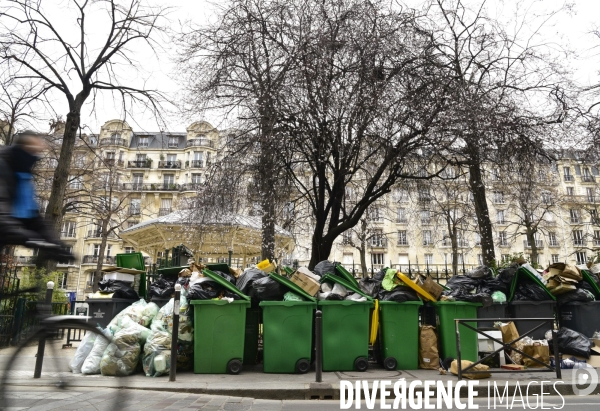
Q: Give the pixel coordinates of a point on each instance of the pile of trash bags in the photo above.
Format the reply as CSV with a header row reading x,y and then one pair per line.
x,y
118,289
140,332
568,283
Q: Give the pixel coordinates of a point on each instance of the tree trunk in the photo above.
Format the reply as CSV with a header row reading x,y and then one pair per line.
x,y
104,238
321,248
477,187
454,242
530,233
61,174
268,227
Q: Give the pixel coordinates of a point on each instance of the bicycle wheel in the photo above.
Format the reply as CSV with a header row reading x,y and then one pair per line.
x,y
57,383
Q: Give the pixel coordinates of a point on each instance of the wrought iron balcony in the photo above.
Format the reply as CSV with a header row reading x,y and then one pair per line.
x,y
140,163
93,259
195,164
200,142
169,164
164,211
121,142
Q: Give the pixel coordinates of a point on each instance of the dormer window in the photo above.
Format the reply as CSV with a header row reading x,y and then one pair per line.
x,y
173,142
143,142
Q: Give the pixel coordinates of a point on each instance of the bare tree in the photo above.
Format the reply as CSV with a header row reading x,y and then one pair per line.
x,y
81,65
500,80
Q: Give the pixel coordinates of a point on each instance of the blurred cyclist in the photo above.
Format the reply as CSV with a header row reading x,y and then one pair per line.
x,y
20,220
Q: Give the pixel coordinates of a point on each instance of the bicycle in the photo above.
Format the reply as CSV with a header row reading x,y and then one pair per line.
x,y
55,373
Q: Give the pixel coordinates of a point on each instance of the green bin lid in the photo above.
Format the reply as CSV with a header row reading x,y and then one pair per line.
x,y
588,279
348,285
288,270
420,302
224,283
523,272
457,303
346,275
289,284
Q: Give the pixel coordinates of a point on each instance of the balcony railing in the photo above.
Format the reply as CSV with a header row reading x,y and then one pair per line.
x,y
98,234
579,242
110,162
134,211
150,187
164,211
200,142
588,179
568,177
191,187
402,243
113,142
169,164
575,220
538,244
194,164
93,259
67,234
459,243
401,220
24,260
76,186
553,243
140,163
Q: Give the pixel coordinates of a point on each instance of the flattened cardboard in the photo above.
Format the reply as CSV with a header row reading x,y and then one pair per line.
x,y
306,283
430,286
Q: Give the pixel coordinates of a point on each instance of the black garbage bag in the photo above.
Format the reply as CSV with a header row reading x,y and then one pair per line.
x,y
579,295
572,342
335,297
380,275
229,294
204,290
462,282
226,276
491,285
183,281
527,290
162,288
399,294
245,280
126,292
369,286
324,267
480,272
464,294
267,289
122,289
507,274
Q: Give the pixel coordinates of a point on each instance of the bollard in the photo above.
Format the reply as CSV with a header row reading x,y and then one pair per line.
x,y
556,356
318,346
175,334
42,343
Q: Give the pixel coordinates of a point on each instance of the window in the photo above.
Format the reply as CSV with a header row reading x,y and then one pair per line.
x,y
428,259
581,257
76,182
578,238
79,160
349,194
108,250
207,159
575,216
347,258
402,239
377,258
554,258
400,195
495,174
143,142
68,229
288,210
570,191
498,197
500,217
377,239
129,250
577,170
62,281
479,259
401,216
594,217
567,174
141,158
165,206
427,237
546,197
110,155
425,217
590,194
552,242
138,181
375,214
171,157
135,206
168,180
173,142
347,237
502,239
96,250
477,239
423,194
198,155
196,178
596,237
506,257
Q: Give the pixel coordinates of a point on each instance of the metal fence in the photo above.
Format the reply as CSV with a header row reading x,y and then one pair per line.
x,y
26,318
9,284
439,272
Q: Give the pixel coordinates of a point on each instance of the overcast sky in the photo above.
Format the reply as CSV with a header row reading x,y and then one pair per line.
x,y
571,29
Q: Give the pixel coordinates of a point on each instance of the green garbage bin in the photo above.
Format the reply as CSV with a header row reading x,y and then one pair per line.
x,y
345,330
287,331
219,331
399,327
448,311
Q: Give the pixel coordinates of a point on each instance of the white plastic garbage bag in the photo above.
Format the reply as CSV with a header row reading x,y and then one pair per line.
x,y
85,346
91,365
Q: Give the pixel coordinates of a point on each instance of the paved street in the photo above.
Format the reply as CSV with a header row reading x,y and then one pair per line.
x,y
43,399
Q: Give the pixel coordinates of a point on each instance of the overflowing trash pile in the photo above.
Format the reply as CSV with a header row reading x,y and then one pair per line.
x,y
568,284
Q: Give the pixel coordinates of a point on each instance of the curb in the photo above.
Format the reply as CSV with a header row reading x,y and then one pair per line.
x,y
326,391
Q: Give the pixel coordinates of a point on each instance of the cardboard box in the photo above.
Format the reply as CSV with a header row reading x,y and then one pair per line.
x,y
430,286
487,345
309,285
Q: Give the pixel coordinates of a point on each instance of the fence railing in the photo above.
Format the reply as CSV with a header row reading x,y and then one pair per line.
x,y
26,318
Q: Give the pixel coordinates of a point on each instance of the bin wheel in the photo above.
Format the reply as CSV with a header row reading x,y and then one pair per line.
x,y
361,364
390,364
234,367
302,366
